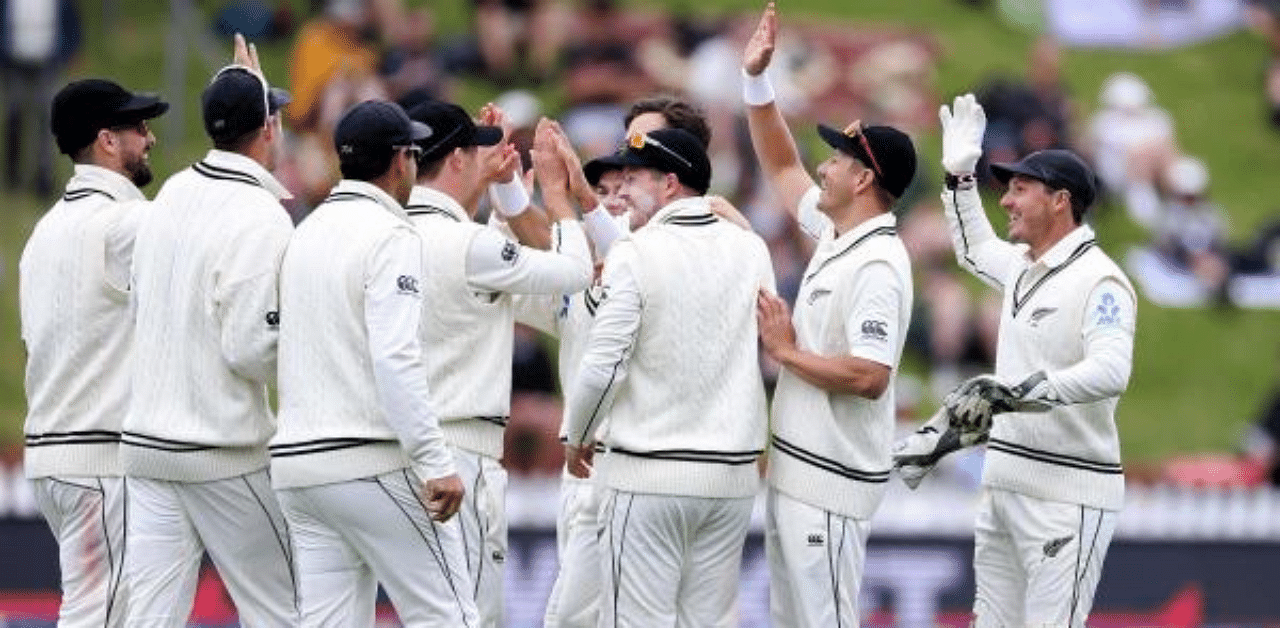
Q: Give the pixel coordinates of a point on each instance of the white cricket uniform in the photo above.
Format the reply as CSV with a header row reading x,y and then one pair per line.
x,y
358,430
194,447
470,273
575,596
73,299
829,452
673,360
1052,482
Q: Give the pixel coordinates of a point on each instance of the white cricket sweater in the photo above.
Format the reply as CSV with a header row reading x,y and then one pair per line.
x,y
470,273
354,394
1069,314
205,271
73,281
673,361
827,449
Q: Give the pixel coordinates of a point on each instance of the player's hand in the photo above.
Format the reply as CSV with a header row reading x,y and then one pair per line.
x,y
963,126
724,209
578,459
759,50
579,187
970,405
245,54
774,320
443,496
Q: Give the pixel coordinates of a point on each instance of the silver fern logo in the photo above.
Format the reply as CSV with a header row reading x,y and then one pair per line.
x,y
1052,547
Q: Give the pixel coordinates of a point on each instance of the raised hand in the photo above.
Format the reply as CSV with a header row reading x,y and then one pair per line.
x,y
759,50
963,126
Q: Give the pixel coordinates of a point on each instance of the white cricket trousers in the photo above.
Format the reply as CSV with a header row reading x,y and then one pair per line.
x,y
351,536
671,562
87,515
483,518
1036,562
815,564
575,597
236,520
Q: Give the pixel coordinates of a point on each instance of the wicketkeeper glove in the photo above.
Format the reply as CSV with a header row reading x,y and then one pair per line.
x,y
916,455
974,402
962,128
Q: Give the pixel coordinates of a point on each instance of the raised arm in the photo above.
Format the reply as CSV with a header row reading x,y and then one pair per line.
x,y
770,137
978,249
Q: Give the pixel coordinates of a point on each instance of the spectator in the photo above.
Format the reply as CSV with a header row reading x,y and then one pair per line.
x,y
1024,116
37,40
507,28
1190,231
329,47
1130,140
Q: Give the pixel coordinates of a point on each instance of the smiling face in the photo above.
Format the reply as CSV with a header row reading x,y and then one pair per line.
x,y
1038,216
840,178
609,189
135,144
642,192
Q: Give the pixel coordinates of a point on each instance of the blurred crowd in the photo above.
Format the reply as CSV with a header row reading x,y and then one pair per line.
x,y
585,62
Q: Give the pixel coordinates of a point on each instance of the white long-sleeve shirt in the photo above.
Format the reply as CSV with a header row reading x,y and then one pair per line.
x,y
672,358
205,270
355,397
471,272
1071,314
73,299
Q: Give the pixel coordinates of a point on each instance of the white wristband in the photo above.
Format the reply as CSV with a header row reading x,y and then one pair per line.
x,y
601,228
757,90
510,198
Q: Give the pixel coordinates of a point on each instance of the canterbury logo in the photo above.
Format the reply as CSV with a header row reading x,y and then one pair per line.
x,y
407,284
1051,548
816,540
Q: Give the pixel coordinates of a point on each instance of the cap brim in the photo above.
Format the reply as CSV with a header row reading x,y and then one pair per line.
x,y
1004,172
142,107
835,139
419,130
596,168
278,98
486,136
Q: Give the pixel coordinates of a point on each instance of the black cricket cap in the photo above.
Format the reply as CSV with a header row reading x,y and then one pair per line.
x,y
892,156
451,127
670,150
1059,169
238,101
371,130
596,168
83,108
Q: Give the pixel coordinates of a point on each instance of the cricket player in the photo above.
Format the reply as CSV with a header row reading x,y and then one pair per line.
x,y
470,273
360,464
73,293
195,438
672,360
833,408
1052,483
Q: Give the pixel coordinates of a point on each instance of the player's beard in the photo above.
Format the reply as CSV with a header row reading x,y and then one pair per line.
x,y
139,170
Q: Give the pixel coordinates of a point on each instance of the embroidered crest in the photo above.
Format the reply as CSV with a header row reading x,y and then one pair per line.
x,y
407,284
510,252
1108,313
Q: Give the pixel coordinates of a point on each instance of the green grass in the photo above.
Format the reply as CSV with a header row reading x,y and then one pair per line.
x,y
1199,375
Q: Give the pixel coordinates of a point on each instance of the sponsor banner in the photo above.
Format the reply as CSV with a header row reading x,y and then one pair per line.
x,y
909,582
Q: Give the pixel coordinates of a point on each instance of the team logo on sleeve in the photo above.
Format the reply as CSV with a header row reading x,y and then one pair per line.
x,y
407,284
510,252
273,319
1107,312
875,330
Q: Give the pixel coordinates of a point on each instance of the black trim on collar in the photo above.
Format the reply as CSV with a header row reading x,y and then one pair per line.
x,y
225,174
81,193
348,196
590,302
424,210
1075,255
695,220
878,231
827,464
1049,457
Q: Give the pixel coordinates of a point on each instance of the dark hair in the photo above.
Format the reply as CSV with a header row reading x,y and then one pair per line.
x,y
1077,205
678,113
238,144
366,169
